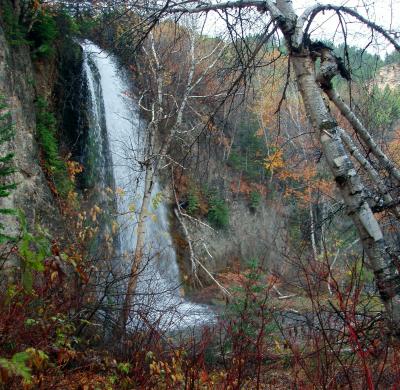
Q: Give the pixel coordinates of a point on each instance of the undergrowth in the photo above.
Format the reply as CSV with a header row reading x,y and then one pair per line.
x,y
255,200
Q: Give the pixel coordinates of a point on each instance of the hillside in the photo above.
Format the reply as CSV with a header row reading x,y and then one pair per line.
x,y
388,75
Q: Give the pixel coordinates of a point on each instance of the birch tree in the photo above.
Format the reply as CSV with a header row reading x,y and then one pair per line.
x,y
165,101
313,84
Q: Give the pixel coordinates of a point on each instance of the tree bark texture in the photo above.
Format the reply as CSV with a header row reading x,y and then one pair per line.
x,y
140,243
363,133
351,188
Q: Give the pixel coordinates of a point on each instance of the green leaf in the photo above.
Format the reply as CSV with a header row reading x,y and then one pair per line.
x,y
27,279
30,322
8,211
124,367
17,365
157,200
5,238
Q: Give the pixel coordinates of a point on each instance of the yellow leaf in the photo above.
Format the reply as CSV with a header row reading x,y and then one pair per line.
x,y
275,160
114,227
277,346
120,191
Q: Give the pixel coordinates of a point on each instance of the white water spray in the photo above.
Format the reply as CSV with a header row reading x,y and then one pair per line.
x,y
157,301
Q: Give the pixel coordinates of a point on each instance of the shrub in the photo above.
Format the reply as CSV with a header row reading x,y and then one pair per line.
x,y
17,366
249,295
43,34
235,161
251,330
46,126
33,250
218,214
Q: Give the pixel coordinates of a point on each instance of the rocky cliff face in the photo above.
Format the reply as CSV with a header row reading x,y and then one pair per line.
x,y
55,79
20,84
389,75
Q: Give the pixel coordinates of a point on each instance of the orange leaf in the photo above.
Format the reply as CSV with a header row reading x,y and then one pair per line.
x,y
204,376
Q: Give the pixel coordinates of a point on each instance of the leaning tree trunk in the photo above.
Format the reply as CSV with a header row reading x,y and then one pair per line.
x,y
370,170
152,168
140,243
351,188
363,133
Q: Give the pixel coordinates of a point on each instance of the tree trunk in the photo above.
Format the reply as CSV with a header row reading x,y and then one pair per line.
x,y
351,188
363,133
371,171
137,259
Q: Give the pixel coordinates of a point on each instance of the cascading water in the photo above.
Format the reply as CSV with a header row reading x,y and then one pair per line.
x,y
117,135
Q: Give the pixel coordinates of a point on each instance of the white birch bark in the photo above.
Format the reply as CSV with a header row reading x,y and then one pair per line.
x,y
350,186
347,180
364,134
369,169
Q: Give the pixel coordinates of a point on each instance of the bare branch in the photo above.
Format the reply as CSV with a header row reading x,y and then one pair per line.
x,y
367,166
310,14
206,7
364,134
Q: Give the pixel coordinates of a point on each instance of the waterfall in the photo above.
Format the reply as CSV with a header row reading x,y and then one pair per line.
x,y
116,141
